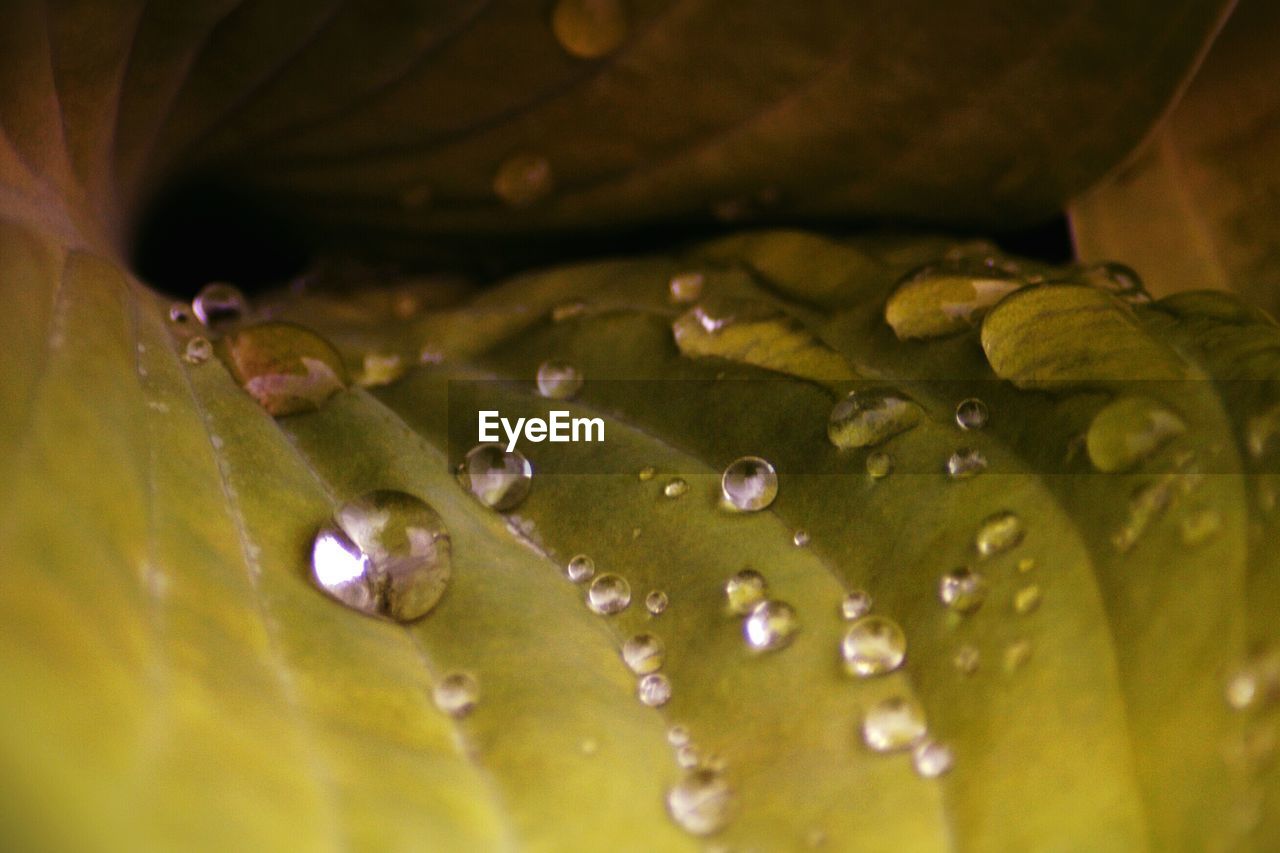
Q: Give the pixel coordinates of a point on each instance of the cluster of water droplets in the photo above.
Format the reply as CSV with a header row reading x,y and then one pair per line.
x,y
767,624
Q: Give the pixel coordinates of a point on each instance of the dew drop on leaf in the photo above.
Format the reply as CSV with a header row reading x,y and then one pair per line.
x,y
180,312
580,568
1129,430
589,29
800,538
749,484
893,724
644,653
873,645
286,368
965,463
197,351
962,590
457,694
675,487
387,553
678,735
770,625
855,605
609,594
966,659
931,758
654,690
943,299
869,417
879,464
558,380
499,478
686,287
998,533
1117,278
971,414
1016,654
687,756
219,304
523,179
646,473
702,802
1254,681
744,591
379,368
1026,600
656,602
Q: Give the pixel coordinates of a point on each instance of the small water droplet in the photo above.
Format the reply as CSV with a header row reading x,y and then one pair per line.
x,y
893,724
855,605
873,645
198,350
286,368
647,473
608,594
675,487
686,287
644,653
457,694
1026,564
656,602
998,533
965,463
971,414
770,625
687,756
1255,680
744,591
749,484
580,568
1026,600
1200,526
931,758
589,29
380,368
654,690
179,312
963,590
1119,279
702,802
800,538
1147,503
558,380
499,478
1129,430
387,553
869,417
219,303
966,660
879,464
523,179
1016,654
678,735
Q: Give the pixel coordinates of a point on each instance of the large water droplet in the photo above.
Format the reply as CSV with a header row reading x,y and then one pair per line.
x,y
457,694
962,589
500,478
589,29
770,625
944,299
873,645
702,802
749,484
971,414
656,602
523,179
855,605
286,368
894,723
608,594
197,351
558,380
868,417
219,304
744,591
965,463
1128,431
879,464
686,287
931,758
644,653
388,554
998,533
580,568
654,690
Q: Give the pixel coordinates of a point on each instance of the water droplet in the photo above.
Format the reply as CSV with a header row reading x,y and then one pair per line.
x,y
675,487
644,653
656,602
998,533
380,368
558,380
702,802
873,645
943,299
589,29
770,625
198,350
457,694
687,756
1016,654
855,605
387,554
963,590
1255,680
654,690
568,311
580,568
1147,503
971,414
1129,430
1026,564
179,312
1200,526
523,179
965,463
1119,279
500,478
749,484
286,368
744,591
893,724
800,538
879,464
678,735
931,758
647,473
219,303
608,594
686,287
1026,600
966,660
869,417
